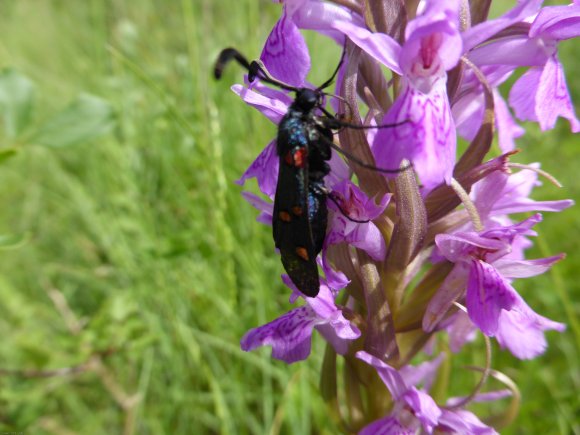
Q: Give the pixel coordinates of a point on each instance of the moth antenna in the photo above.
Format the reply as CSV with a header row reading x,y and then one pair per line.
x,y
338,97
225,57
345,214
333,76
359,162
255,68
258,69
334,123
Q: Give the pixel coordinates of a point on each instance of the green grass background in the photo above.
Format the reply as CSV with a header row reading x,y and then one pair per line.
x,y
161,263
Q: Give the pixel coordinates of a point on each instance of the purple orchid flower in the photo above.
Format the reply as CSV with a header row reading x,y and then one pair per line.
x,y
285,52
541,94
461,330
432,47
469,108
355,205
501,194
551,97
290,335
266,208
320,16
422,234
486,30
415,409
265,167
482,266
496,196
521,330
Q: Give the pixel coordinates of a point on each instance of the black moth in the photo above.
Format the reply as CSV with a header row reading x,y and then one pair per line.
x,y
304,145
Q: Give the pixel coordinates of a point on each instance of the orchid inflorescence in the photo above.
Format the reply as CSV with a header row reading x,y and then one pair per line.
x,y
431,256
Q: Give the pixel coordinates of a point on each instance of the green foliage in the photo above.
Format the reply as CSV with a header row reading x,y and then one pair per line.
x,y
86,118
140,267
16,97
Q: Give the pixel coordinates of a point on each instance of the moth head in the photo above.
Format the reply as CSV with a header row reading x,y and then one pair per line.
x,y
308,99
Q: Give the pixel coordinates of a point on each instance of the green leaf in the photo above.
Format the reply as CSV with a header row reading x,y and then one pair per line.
x,y
16,99
86,118
13,241
6,153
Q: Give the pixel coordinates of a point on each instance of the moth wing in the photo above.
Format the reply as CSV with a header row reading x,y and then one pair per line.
x,y
292,228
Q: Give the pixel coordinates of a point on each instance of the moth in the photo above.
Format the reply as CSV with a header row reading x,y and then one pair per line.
x,y
304,145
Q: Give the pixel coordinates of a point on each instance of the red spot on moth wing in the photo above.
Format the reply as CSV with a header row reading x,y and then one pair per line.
x,y
285,216
300,157
302,253
297,210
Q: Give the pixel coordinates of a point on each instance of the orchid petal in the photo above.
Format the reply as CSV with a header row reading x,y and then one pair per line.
x,y
463,422
541,95
423,373
321,16
427,138
461,331
266,208
487,294
515,51
355,203
271,108
508,233
433,36
378,45
424,408
390,376
521,330
449,292
387,426
489,396
512,269
455,246
501,194
369,238
265,169
557,22
485,30
285,53
553,98
293,6
339,170
340,345
337,330
524,205
289,335
468,113
352,203
334,278
507,128
339,335
523,94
